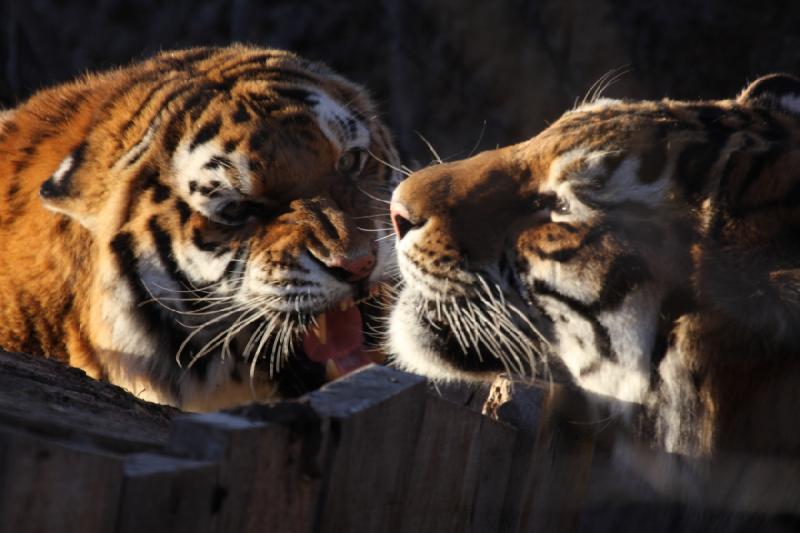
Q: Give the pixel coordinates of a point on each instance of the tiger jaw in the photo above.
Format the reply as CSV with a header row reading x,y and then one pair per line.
x,y
468,330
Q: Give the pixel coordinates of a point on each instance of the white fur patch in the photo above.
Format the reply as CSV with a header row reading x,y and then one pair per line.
x,y
63,169
208,188
410,353
338,124
201,266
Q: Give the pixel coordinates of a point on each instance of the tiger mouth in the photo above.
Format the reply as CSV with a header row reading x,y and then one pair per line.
x,y
342,337
329,343
474,345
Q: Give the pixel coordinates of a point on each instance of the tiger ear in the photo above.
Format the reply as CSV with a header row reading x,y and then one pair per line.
x,y
62,192
774,91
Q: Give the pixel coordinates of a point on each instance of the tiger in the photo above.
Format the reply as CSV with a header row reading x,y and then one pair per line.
x,y
202,227
647,250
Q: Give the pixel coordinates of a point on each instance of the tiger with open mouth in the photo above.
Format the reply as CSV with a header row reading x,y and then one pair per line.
x,y
202,228
650,247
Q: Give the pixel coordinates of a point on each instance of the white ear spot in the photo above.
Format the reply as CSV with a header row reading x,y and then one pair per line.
x,y
59,184
790,102
63,168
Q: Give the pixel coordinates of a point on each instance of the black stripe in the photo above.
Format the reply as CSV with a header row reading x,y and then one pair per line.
x,y
184,211
248,61
756,170
325,223
241,114
602,340
150,179
676,303
143,105
693,169
258,139
163,242
206,133
218,161
295,93
623,276
200,244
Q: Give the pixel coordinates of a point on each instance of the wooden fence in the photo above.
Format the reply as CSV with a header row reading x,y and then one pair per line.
x,y
379,450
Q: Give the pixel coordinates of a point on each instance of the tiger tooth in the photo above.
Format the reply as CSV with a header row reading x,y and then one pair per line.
x,y
322,329
331,370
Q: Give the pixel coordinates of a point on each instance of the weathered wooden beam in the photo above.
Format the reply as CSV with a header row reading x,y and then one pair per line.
x,y
553,456
371,420
162,494
45,396
336,460
53,485
460,471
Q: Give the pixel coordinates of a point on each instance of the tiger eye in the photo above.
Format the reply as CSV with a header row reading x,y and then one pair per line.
x,y
234,212
349,163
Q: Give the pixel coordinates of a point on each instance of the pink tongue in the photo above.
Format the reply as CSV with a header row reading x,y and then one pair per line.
x,y
344,338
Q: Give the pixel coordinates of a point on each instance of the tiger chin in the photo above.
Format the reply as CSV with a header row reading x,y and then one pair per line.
x,y
650,247
203,228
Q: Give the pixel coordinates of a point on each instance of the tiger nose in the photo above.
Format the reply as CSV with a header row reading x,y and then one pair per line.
x,y
351,269
401,219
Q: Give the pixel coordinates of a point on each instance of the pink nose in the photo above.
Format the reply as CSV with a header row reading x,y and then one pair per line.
x,y
401,220
352,268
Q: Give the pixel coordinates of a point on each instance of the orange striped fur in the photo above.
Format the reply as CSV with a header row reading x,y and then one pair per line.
x,y
649,247
174,226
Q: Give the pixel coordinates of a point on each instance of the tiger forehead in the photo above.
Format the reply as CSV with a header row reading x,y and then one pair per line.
x,y
243,92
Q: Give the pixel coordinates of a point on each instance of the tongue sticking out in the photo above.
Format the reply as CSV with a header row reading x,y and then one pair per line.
x,y
337,341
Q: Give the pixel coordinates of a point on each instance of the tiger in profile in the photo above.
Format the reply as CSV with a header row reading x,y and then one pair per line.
x,y
652,248
202,227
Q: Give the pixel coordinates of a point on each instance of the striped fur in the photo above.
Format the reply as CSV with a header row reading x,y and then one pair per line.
x,y
647,246
170,226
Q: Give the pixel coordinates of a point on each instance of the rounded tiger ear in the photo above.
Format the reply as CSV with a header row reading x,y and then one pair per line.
x,y
774,91
61,192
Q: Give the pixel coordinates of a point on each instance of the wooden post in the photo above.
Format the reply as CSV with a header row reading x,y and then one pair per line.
x,y
460,471
47,485
553,456
162,494
372,422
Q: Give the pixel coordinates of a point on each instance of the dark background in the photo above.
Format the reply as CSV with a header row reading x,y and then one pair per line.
x,y
461,73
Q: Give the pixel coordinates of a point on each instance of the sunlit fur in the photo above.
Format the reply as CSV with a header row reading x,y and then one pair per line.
x,y
651,247
169,226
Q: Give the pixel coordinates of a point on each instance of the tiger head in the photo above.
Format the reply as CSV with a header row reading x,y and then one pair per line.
x,y
636,243
234,202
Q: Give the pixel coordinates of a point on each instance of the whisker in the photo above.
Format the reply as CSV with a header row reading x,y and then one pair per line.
x,y
437,159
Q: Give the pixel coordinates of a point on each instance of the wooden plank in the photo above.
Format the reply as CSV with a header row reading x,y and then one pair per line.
x,y
166,494
294,460
47,485
461,468
551,476
250,457
372,419
47,397
336,460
